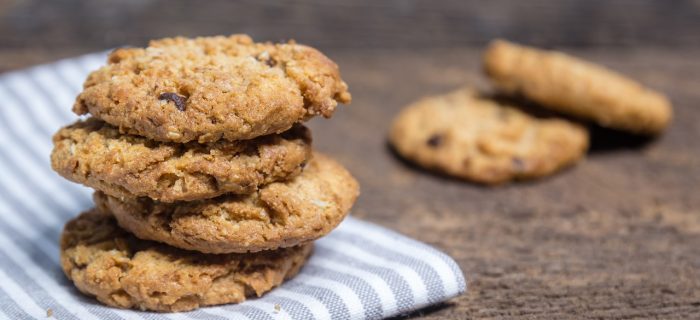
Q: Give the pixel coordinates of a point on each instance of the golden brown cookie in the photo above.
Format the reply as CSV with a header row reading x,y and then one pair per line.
x,y
280,214
579,88
208,88
468,136
94,153
123,271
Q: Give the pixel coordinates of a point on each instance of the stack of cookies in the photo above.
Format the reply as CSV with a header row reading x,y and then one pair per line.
x,y
208,190
494,138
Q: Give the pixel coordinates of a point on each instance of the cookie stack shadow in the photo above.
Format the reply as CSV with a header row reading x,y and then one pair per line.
x,y
207,187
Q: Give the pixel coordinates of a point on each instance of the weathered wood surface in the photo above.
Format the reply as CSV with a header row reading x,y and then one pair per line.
x,y
36,30
618,236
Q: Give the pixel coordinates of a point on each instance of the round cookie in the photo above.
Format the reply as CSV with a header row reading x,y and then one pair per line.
x,y
94,153
572,86
280,214
123,271
208,88
474,138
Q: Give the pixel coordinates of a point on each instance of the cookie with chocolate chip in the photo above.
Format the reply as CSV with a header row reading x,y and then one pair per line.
x,y
211,88
95,154
120,270
469,136
576,87
280,214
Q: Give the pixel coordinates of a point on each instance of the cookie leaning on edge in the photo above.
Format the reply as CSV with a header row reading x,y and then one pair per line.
x,y
212,88
570,85
123,271
280,214
471,137
94,153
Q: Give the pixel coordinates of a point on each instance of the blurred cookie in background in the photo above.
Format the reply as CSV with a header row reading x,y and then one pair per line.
x,y
575,87
469,136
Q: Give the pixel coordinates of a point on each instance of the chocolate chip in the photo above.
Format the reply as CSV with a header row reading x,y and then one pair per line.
x,y
265,58
467,162
178,100
518,164
435,140
503,114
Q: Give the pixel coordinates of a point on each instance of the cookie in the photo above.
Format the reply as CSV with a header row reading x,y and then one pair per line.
x,y
123,271
278,215
209,88
575,87
468,136
94,153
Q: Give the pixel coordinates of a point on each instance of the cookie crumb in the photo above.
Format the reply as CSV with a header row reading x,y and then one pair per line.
x,y
178,100
277,308
49,313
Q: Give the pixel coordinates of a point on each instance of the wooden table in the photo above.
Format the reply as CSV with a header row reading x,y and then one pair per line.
x,y
618,236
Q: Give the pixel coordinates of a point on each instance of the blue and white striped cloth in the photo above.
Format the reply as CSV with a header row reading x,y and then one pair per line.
x,y
359,271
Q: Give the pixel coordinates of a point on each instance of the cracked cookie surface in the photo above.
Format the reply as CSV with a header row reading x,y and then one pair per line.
x,y
280,214
472,137
210,88
576,87
95,154
123,271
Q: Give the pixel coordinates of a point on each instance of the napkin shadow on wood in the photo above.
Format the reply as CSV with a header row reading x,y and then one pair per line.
x,y
425,311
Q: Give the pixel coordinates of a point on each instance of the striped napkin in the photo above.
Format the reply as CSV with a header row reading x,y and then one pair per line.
x,y
359,271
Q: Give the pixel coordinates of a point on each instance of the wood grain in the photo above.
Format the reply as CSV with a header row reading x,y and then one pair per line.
x,y
615,237
68,26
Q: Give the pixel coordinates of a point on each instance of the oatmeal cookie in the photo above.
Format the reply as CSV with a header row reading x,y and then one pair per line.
x,y
123,271
210,88
280,214
472,137
94,153
579,88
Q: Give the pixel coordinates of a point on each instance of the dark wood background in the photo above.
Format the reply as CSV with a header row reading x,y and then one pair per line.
x,y
618,236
